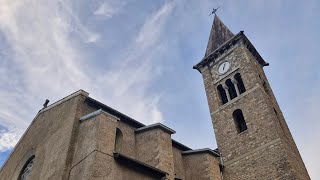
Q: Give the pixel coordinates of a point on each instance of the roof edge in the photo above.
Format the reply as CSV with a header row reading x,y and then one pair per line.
x,y
200,151
204,60
127,161
180,145
126,118
77,93
155,126
114,112
96,113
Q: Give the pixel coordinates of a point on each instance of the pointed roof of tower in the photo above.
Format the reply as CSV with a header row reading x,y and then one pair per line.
x,y
221,40
219,35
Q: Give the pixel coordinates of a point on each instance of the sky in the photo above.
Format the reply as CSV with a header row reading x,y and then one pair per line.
x,y
137,57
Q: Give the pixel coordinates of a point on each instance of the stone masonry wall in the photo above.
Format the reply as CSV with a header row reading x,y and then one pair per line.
x,y
268,163
128,144
66,147
201,167
259,123
265,128
96,134
179,169
48,138
154,147
104,167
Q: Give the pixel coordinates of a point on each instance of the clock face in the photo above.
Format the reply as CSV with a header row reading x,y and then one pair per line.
x,y
224,67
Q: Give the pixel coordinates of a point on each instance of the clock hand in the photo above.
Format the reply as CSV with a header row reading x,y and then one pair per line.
x,y
223,66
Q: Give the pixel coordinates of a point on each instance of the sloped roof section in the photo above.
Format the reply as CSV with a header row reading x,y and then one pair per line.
x,y
219,35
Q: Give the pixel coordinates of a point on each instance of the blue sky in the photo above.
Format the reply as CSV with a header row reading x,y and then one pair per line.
x,y
137,57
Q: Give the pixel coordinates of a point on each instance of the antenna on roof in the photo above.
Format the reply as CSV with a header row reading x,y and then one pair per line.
x,y
46,103
214,11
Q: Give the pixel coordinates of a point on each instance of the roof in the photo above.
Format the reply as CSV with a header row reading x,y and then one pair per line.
x,y
95,113
114,112
226,46
199,151
138,165
220,34
155,126
222,39
180,146
126,119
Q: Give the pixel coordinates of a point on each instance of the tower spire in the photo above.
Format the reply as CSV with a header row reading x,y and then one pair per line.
x,y
220,34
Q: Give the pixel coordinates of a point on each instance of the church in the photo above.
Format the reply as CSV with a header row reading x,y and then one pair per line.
x,y
80,138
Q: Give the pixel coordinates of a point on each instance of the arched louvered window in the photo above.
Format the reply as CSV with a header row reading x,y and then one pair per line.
x,y
239,121
240,84
222,93
26,171
231,89
119,140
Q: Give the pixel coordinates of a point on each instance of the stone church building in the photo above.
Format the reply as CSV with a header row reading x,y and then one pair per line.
x,y
80,138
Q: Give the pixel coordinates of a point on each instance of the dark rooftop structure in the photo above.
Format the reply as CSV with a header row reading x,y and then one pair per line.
x,y
221,40
218,36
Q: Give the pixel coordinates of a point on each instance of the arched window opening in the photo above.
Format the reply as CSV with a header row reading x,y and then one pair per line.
x,y
223,95
240,84
26,171
239,121
119,140
231,89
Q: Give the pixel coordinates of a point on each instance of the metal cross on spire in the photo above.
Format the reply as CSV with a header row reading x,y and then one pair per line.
x,y
214,11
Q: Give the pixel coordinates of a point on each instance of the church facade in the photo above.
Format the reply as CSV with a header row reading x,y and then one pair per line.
x,y
79,137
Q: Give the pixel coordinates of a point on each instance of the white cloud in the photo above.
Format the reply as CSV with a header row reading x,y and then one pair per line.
x,y
74,23
8,139
42,59
109,8
151,30
39,57
134,73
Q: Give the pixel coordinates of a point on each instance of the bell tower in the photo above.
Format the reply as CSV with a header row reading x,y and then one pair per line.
x,y
252,135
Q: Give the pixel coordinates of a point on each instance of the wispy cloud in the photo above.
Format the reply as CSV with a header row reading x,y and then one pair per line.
x,y
132,76
38,59
42,56
8,139
109,8
152,28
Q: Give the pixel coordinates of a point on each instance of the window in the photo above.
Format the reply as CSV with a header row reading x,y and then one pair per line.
x,y
231,89
222,93
239,121
25,173
240,84
119,140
